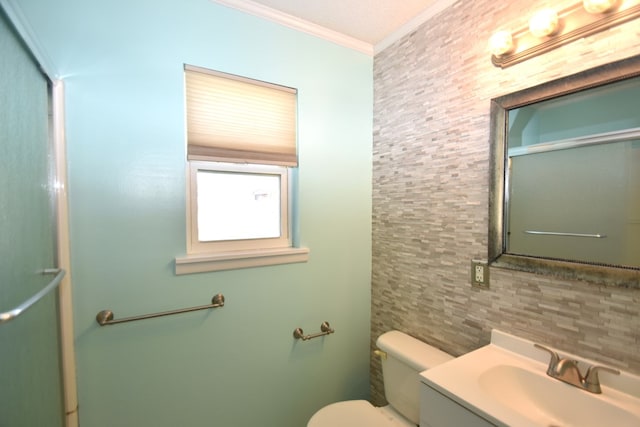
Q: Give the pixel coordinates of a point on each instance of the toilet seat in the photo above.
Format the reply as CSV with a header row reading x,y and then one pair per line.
x,y
357,413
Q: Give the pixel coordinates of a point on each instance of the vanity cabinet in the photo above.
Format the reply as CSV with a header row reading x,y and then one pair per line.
x,y
437,410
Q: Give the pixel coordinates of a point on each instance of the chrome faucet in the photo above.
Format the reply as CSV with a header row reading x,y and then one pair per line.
x,y
567,370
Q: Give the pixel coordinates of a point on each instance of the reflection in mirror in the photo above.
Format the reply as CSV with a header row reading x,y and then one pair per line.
x,y
565,196
574,176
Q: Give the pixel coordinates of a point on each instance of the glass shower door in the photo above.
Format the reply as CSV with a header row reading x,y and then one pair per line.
x,y
30,374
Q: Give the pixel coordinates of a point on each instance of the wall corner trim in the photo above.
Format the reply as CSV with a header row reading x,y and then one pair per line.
x,y
436,7
21,25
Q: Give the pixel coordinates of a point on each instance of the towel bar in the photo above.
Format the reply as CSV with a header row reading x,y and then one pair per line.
x,y
105,317
556,233
326,329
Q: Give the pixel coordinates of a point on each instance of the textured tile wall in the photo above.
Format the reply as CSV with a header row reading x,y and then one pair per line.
x,y
430,195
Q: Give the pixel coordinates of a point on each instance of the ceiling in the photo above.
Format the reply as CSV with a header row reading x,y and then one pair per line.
x,y
368,25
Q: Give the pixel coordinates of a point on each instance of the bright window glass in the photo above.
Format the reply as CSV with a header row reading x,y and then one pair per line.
x,y
237,205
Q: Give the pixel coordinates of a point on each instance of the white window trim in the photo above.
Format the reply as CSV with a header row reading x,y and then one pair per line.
x,y
240,259
216,256
194,246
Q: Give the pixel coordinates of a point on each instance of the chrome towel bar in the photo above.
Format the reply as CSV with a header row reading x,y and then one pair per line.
x,y
7,316
554,233
326,329
105,317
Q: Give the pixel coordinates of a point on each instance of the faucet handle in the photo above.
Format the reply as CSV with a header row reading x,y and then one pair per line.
x,y
591,379
553,362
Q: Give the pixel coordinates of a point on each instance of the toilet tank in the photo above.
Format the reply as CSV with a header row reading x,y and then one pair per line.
x,y
405,358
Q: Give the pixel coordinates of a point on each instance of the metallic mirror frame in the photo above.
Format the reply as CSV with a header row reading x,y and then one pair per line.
x,y
571,270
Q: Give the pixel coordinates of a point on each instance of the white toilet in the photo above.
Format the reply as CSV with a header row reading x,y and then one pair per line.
x,y
403,358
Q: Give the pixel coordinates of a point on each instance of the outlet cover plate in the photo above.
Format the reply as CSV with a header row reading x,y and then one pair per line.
x,y
479,274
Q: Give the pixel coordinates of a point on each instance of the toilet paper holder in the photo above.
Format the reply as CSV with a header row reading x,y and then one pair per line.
x,y
326,329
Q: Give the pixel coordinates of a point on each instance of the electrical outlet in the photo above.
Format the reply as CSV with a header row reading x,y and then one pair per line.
x,y
479,274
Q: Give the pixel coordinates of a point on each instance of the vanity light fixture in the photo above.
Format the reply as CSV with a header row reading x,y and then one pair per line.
x,y
598,6
544,23
501,43
549,29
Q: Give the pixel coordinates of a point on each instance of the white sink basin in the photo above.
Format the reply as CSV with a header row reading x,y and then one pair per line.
x,y
505,383
554,402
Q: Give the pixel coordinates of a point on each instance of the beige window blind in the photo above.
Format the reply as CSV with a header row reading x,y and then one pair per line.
x,y
234,119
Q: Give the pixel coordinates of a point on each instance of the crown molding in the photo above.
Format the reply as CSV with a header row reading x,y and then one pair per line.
x,y
304,26
298,24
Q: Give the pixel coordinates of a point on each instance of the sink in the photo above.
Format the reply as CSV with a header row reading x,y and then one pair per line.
x,y
505,384
553,402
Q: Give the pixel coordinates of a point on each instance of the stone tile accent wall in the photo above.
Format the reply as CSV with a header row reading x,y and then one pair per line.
x,y
430,195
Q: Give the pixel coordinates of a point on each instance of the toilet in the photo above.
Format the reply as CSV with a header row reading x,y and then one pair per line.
x,y
403,358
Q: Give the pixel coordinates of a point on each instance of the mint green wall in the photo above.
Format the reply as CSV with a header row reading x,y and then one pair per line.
x,y
236,366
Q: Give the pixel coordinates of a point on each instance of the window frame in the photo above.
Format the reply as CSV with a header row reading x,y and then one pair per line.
x,y
226,155
195,246
218,257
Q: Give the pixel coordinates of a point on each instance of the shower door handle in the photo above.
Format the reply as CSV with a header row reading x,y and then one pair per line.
x,y
9,315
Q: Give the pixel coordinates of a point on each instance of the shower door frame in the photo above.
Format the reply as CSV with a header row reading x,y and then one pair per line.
x,y
60,196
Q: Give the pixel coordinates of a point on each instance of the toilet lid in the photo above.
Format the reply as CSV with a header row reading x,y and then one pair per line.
x,y
352,413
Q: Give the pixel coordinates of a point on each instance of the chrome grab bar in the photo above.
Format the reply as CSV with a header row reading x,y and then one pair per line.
x,y
326,329
7,316
105,317
554,233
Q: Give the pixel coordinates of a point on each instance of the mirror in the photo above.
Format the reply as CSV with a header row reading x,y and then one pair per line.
x,y
565,177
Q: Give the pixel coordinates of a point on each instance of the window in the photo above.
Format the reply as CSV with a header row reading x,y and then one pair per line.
x,y
241,146
254,213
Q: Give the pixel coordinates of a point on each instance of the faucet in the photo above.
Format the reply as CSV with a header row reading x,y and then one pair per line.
x,y
567,370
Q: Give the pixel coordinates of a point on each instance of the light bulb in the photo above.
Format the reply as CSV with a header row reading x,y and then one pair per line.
x,y
501,43
543,23
598,6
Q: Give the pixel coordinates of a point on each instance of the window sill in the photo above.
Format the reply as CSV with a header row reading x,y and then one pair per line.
x,y
242,259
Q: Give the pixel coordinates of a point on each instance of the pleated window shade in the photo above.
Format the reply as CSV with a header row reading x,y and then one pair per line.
x,y
239,120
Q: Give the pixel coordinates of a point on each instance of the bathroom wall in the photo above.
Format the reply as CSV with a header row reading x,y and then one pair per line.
x,y
430,194
122,65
